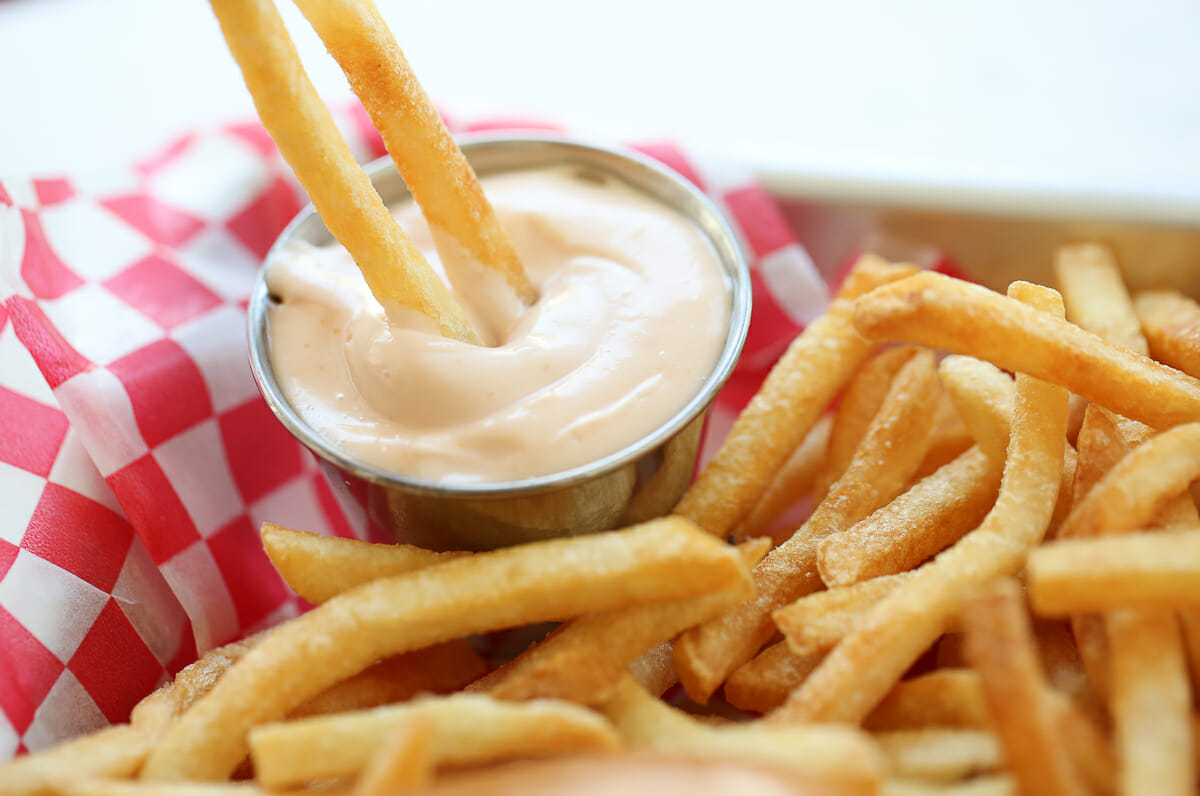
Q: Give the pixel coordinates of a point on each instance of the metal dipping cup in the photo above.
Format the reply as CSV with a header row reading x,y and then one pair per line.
x,y
637,483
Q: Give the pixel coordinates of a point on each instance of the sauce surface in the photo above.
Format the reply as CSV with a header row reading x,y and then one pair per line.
x,y
631,318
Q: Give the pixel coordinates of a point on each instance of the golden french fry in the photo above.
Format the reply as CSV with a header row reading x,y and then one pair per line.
x,y
839,755
791,400
438,669
983,395
544,581
1095,295
464,729
116,751
857,673
319,567
934,310
79,786
433,167
932,515
857,406
402,761
890,452
818,621
1155,569
948,698
939,754
762,683
1171,323
948,440
306,135
585,659
1000,646
1088,746
654,670
793,481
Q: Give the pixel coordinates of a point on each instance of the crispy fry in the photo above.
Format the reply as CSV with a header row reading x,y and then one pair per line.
x,y
306,135
654,670
940,754
1000,646
319,567
818,621
856,675
662,560
465,728
402,761
983,395
932,515
793,480
950,698
889,454
824,754
1145,570
433,167
789,403
948,440
585,659
1095,295
116,751
941,312
1171,323
762,683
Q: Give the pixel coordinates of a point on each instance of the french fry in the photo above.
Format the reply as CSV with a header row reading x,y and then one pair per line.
x,y
585,659
1155,569
438,669
302,128
935,310
983,395
838,755
857,406
114,752
464,729
545,581
948,440
1000,646
818,621
402,761
433,167
1171,323
857,673
792,398
762,683
988,785
890,452
940,754
81,786
949,698
1095,295
319,567
932,515
654,670
793,480
1088,746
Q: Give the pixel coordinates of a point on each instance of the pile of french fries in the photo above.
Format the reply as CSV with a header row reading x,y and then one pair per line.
x,y
993,592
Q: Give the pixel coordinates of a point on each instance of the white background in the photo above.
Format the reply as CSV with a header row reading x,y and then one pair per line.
x,y
1096,99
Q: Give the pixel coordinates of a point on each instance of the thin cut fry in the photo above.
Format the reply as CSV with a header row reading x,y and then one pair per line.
x,y
889,454
929,517
431,163
402,761
940,754
857,674
545,581
983,395
1095,295
1000,647
1171,323
793,481
792,398
948,440
465,729
319,567
762,683
306,135
941,312
942,698
815,623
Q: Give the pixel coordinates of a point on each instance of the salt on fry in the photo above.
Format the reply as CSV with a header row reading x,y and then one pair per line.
x,y
932,515
948,697
544,581
1000,646
793,397
940,312
1095,295
303,129
890,452
464,729
857,673
319,567
794,480
1171,323
818,621
762,683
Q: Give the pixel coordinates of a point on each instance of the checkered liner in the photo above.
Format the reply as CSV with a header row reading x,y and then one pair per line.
x,y
136,456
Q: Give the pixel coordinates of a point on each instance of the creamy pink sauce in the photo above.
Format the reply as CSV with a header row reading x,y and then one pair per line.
x,y
631,318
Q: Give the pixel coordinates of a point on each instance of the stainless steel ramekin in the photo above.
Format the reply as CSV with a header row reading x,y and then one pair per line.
x,y
639,482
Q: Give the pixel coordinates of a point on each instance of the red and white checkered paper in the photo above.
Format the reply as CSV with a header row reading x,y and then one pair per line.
x,y
137,459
